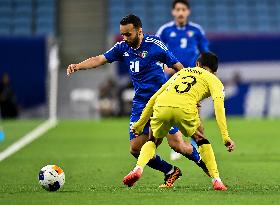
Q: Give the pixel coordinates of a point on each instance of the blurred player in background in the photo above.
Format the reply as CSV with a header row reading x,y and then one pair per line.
x,y
141,54
186,40
176,104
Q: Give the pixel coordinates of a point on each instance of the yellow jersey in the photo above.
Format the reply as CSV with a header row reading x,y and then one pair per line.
x,y
186,89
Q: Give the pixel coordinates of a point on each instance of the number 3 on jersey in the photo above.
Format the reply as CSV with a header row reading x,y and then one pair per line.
x,y
183,43
134,66
187,82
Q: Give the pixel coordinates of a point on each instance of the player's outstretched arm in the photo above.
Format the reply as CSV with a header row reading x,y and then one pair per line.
x,y
221,120
92,62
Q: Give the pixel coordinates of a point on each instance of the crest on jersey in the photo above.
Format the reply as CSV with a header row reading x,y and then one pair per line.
x,y
126,54
172,34
190,34
144,54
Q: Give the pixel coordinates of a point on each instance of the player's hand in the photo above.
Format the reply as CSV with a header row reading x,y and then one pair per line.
x,y
136,129
134,132
72,68
230,145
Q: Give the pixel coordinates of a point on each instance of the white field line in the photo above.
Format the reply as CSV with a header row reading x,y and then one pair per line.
x,y
28,138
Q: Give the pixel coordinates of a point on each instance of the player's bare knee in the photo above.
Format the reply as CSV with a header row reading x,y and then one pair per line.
x,y
135,147
173,143
175,147
198,136
135,151
188,149
201,129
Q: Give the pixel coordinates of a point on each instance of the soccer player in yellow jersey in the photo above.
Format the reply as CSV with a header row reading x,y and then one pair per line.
x,y
185,38
175,103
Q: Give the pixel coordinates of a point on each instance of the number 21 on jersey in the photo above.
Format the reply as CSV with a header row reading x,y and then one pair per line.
x,y
134,66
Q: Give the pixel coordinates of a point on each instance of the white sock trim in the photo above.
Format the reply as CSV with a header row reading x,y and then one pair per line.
x,y
172,170
216,179
138,167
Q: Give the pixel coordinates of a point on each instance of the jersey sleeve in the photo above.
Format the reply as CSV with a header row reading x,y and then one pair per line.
x,y
217,93
166,56
114,54
216,88
203,44
161,34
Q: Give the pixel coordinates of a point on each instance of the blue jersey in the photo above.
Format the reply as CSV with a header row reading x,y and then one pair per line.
x,y
144,65
184,42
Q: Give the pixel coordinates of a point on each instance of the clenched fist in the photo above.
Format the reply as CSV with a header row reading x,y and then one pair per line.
x,y
72,68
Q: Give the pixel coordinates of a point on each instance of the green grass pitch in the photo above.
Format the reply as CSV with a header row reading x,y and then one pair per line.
x,y
95,157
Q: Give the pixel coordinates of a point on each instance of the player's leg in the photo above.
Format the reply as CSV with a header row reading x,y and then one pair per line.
x,y
156,162
173,154
208,156
173,139
206,150
177,143
207,153
136,144
190,125
187,122
176,133
160,124
147,153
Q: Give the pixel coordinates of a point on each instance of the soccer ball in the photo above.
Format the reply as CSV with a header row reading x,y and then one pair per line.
x,y
51,177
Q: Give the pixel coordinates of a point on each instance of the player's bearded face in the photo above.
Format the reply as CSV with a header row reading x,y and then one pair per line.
x,y
181,13
134,41
130,35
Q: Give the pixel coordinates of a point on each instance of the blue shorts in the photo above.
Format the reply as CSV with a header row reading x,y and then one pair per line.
x,y
135,115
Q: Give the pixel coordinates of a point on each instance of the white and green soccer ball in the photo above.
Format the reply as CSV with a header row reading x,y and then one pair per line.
x,y
51,177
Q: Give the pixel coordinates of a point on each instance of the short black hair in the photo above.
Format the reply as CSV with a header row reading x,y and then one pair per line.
x,y
131,19
186,2
209,60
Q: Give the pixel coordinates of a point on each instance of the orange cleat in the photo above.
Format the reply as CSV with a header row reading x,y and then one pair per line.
x,y
170,179
219,185
132,177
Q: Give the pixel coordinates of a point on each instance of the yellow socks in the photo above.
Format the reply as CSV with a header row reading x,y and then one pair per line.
x,y
208,157
147,152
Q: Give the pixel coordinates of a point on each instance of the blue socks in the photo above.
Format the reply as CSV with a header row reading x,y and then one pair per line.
x,y
193,143
158,164
194,155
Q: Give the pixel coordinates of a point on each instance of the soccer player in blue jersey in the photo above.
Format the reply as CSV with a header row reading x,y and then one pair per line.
x,y
186,40
143,55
